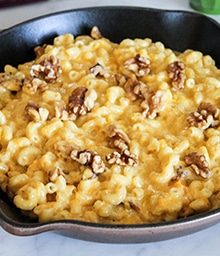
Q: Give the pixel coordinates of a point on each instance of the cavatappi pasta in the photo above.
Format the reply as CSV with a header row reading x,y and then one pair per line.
x,y
114,133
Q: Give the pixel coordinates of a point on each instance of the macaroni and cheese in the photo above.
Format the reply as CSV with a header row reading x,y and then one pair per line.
x,y
103,132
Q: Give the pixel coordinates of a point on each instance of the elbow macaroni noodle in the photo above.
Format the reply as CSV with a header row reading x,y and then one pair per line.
x,y
37,168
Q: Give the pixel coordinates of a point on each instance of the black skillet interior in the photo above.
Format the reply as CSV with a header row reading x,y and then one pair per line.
x,y
176,29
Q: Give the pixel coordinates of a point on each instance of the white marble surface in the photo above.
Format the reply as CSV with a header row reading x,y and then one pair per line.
x,y
202,243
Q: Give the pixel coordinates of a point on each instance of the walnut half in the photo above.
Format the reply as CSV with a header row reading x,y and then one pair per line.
x,y
123,159
95,33
81,101
49,69
36,113
99,71
176,74
198,163
120,140
138,65
88,157
207,115
153,103
132,86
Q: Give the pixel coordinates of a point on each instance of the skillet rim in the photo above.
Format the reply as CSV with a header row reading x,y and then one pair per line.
x,y
193,223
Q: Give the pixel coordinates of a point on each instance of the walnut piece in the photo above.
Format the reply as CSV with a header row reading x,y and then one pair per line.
x,y
138,65
81,101
206,116
133,87
118,138
152,104
36,113
95,33
99,70
10,82
40,50
33,84
181,173
61,111
90,158
198,163
55,173
123,159
121,141
48,69
176,74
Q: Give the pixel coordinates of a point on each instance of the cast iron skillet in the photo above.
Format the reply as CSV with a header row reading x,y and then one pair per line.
x,y
176,29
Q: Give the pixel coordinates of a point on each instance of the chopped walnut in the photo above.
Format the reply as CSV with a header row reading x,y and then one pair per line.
x,y
95,33
90,158
99,70
63,150
134,88
55,173
36,113
81,101
198,163
40,50
39,84
76,101
152,104
123,159
61,111
48,69
181,173
120,140
90,98
175,72
139,65
10,82
32,85
206,116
